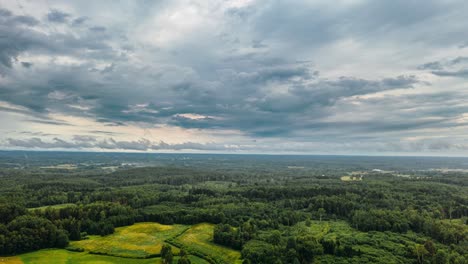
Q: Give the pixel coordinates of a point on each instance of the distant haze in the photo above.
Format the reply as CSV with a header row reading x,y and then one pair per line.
x,y
239,76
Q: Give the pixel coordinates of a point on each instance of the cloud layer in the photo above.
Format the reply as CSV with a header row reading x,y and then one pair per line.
x,y
352,77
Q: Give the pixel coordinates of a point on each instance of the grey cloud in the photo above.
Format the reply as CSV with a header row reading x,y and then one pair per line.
x,y
327,92
457,67
79,21
89,142
11,41
308,25
18,35
257,71
240,99
49,122
25,20
97,29
458,60
435,65
461,73
5,12
142,144
84,138
275,73
36,134
57,16
104,132
244,103
464,45
10,19
402,146
282,114
26,64
38,143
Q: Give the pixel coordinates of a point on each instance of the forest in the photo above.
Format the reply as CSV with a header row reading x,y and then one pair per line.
x,y
260,209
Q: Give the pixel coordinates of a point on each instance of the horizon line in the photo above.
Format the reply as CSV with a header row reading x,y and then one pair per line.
x,y
238,154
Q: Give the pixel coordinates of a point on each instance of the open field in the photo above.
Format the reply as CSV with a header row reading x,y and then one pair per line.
x,y
199,238
350,178
61,167
140,240
138,243
61,256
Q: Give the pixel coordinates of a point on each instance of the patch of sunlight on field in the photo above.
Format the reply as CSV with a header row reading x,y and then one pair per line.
x,y
10,260
200,238
138,241
351,178
61,256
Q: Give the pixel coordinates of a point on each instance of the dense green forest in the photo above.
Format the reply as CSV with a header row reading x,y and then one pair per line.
x,y
271,209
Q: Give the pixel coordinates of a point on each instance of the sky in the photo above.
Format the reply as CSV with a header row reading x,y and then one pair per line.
x,y
235,76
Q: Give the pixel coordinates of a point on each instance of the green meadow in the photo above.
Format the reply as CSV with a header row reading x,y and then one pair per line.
x,y
199,239
141,240
138,243
61,256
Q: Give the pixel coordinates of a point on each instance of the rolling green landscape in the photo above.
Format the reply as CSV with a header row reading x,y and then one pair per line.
x,y
234,131
222,209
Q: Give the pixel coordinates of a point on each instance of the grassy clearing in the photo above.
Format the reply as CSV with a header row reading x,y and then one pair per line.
x,y
61,167
138,243
199,239
56,206
61,256
140,240
351,178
